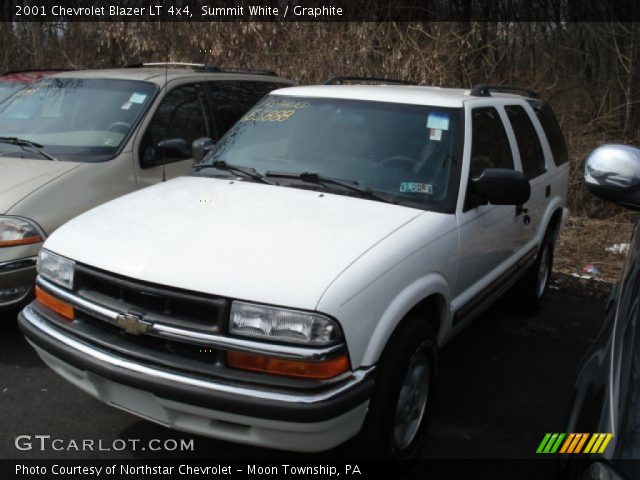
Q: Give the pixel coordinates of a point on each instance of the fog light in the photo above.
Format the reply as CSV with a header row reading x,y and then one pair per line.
x,y
13,293
321,370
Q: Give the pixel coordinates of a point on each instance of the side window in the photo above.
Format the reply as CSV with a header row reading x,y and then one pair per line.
x,y
552,130
184,113
232,99
531,153
489,142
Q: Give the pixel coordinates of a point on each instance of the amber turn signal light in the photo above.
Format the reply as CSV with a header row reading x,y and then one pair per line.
x,y
321,370
62,308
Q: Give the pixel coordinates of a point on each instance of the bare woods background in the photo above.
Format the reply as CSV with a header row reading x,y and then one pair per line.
x,y
589,72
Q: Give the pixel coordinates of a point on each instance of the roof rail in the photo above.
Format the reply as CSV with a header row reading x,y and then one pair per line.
x,y
164,64
388,81
247,71
203,67
52,69
484,90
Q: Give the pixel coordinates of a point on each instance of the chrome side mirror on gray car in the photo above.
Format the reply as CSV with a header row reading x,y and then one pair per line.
x,y
612,172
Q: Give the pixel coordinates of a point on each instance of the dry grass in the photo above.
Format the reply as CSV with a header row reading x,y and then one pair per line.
x,y
583,241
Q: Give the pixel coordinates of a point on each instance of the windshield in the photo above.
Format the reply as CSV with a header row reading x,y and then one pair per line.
x,y
7,88
408,152
73,119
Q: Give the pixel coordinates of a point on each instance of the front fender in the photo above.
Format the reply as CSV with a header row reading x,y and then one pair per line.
x,y
430,285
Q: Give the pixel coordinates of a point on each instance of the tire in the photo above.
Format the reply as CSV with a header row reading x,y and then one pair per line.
x,y
535,282
406,377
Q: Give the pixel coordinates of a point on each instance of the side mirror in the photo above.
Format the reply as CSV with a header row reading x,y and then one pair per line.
x,y
612,172
501,186
200,147
172,148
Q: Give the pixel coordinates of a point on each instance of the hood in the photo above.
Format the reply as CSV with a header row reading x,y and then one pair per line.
x,y
19,177
249,241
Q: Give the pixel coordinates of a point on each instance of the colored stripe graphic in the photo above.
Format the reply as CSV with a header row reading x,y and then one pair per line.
x,y
574,443
606,441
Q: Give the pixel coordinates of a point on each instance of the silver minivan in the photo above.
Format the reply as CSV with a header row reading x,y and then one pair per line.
x,y
78,139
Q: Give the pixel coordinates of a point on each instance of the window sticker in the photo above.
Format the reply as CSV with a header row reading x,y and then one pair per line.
x,y
138,98
438,121
435,134
415,187
264,115
126,106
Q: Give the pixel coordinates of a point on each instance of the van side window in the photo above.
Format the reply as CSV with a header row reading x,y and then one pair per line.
x,y
184,113
489,143
552,131
233,99
531,153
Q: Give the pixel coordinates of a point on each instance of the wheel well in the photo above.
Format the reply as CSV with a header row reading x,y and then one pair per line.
x,y
430,310
554,223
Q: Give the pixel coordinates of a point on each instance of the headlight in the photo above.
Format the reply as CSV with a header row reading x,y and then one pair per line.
x,y
284,325
56,268
18,231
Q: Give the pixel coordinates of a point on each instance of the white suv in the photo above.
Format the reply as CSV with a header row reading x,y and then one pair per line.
x,y
294,290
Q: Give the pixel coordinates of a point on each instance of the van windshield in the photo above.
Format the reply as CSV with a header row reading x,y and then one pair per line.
x,y
74,119
409,152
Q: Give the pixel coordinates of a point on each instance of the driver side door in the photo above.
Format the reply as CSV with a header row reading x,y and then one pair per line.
x,y
488,233
184,113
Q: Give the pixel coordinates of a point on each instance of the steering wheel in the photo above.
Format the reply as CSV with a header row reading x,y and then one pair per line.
x,y
401,159
119,127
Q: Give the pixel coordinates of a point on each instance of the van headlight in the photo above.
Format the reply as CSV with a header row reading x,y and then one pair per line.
x,y
56,269
18,231
271,323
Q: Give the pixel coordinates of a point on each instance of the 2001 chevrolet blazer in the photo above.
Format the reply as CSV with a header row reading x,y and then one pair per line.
x,y
295,288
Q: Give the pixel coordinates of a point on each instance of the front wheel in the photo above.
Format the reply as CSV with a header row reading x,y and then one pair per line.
x,y
400,406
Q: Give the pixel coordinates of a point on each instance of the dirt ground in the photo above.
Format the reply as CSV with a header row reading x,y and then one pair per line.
x,y
584,241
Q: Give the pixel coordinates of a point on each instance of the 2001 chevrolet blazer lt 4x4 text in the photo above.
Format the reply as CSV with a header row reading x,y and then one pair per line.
x,y
294,290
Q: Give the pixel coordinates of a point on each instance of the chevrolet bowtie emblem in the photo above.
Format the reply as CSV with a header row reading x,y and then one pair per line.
x,y
132,323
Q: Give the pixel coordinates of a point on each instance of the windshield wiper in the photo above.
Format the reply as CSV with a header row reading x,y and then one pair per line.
x,y
229,167
26,143
312,177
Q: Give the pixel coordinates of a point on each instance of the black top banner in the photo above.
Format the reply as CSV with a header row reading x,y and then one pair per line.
x,y
559,11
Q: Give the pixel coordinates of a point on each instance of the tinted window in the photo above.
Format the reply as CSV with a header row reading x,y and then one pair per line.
x,y
183,113
409,153
528,142
489,145
552,130
233,99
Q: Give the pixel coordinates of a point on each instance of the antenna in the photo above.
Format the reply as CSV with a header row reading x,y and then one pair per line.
x,y
166,124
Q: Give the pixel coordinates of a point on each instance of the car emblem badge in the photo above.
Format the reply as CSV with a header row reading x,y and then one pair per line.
x,y
132,323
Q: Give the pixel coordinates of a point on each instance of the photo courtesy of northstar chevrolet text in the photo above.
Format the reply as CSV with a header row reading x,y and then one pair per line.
x,y
304,239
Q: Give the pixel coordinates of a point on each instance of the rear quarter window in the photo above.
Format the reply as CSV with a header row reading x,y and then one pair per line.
x,y
552,131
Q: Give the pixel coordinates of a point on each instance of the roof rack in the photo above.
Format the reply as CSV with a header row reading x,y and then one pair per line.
x,y
52,69
388,81
484,90
248,71
203,67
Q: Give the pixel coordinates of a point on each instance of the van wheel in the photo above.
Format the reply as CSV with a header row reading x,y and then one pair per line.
x,y
400,406
534,284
